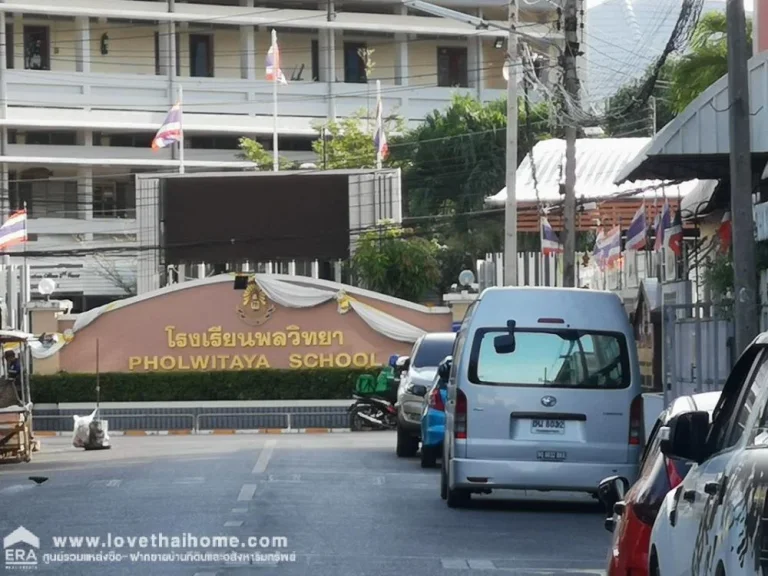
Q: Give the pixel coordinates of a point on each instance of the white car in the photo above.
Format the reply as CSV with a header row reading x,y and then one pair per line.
x,y
716,521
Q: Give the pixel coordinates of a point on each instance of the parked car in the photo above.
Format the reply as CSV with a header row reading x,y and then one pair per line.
x,y
715,521
631,514
544,394
433,416
417,378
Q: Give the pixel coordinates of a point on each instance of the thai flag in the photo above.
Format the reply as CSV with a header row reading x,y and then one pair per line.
x,y
612,246
170,131
673,235
662,223
274,72
724,233
597,252
638,230
14,231
379,137
550,243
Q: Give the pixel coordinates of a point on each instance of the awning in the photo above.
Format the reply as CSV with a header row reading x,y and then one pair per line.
x,y
696,144
598,164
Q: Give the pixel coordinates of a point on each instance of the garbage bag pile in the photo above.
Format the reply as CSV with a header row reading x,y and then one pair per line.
x,y
89,432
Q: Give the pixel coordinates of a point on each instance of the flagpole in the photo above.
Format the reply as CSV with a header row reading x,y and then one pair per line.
x,y
277,68
379,121
24,281
181,132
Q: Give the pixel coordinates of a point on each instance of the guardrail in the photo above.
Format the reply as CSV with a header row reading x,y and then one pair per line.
x,y
196,421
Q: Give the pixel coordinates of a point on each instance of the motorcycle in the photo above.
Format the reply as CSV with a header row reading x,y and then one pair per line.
x,y
371,412
374,407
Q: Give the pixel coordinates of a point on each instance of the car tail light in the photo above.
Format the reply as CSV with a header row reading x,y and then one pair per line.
x,y
636,421
460,418
436,400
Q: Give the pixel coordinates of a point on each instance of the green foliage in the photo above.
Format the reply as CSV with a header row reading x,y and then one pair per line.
x,y
706,62
348,142
302,384
255,152
456,158
638,121
718,275
394,261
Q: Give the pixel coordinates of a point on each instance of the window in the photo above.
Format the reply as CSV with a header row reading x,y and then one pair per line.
x,y
51,138
755,393
551,358
354,63
9,55
723,417
159,56
452,67
37,48
315,61
114,200
432,351
215,142
130,139
201,55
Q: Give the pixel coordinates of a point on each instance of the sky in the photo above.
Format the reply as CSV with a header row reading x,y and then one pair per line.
x,y
748,4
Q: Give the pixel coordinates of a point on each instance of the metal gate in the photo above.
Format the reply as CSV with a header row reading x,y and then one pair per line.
x,y
698,348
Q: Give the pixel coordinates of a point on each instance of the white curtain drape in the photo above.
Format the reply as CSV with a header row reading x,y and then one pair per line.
x,y
286,294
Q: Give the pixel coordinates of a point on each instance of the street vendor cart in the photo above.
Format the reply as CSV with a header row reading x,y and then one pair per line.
x,y
16,441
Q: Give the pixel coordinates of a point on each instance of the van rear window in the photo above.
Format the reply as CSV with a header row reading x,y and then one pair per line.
x,y
551,358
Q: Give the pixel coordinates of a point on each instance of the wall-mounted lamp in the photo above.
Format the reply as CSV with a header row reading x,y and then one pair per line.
x,y
499,43
104,44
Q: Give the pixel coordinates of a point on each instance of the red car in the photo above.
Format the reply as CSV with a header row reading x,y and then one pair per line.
x,y
631,514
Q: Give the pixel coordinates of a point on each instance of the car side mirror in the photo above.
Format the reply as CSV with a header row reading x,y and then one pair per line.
x,y
610,491
685,436
444,368
419,390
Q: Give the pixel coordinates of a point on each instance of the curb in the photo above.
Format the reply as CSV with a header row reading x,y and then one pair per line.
x,y
216,432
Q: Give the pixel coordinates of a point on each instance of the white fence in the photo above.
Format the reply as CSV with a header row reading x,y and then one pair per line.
x,y
535,269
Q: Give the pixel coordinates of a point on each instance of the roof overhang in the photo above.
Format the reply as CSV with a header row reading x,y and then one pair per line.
x,y
696,144
240,16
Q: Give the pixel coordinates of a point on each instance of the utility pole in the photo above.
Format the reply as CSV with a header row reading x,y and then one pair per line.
x,y
510,211
570,26
744,276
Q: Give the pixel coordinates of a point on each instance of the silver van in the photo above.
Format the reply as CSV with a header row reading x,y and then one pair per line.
x,y
543,394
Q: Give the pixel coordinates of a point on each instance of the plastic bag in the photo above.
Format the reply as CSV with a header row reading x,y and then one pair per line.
x,y
82,429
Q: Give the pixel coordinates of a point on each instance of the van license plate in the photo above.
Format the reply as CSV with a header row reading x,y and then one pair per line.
x,y
548,426
550,455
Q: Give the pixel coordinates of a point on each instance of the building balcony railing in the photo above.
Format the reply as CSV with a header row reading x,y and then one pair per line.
x,y
127,93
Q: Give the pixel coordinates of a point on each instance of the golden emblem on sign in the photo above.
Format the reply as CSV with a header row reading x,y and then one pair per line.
x,y
255,308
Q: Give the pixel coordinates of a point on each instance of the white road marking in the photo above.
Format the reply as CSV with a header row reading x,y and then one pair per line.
x,y
481,565
195,480
239,510
233,523
454,564
246,492
15,488
266,454
114,483
205,573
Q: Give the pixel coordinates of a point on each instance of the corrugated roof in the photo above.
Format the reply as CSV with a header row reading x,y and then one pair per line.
x,y
598,163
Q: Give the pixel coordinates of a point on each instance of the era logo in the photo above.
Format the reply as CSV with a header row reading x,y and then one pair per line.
x,y
20,546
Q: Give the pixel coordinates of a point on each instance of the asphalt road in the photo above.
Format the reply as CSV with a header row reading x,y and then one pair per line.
x,y
344,503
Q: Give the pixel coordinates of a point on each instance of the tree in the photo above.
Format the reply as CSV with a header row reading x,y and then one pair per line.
x,y
395,261
456,158
705,63
254,151
347,144
107,268
622,119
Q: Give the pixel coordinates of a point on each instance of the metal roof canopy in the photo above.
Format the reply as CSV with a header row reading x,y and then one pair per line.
x,y
598,163
696,144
